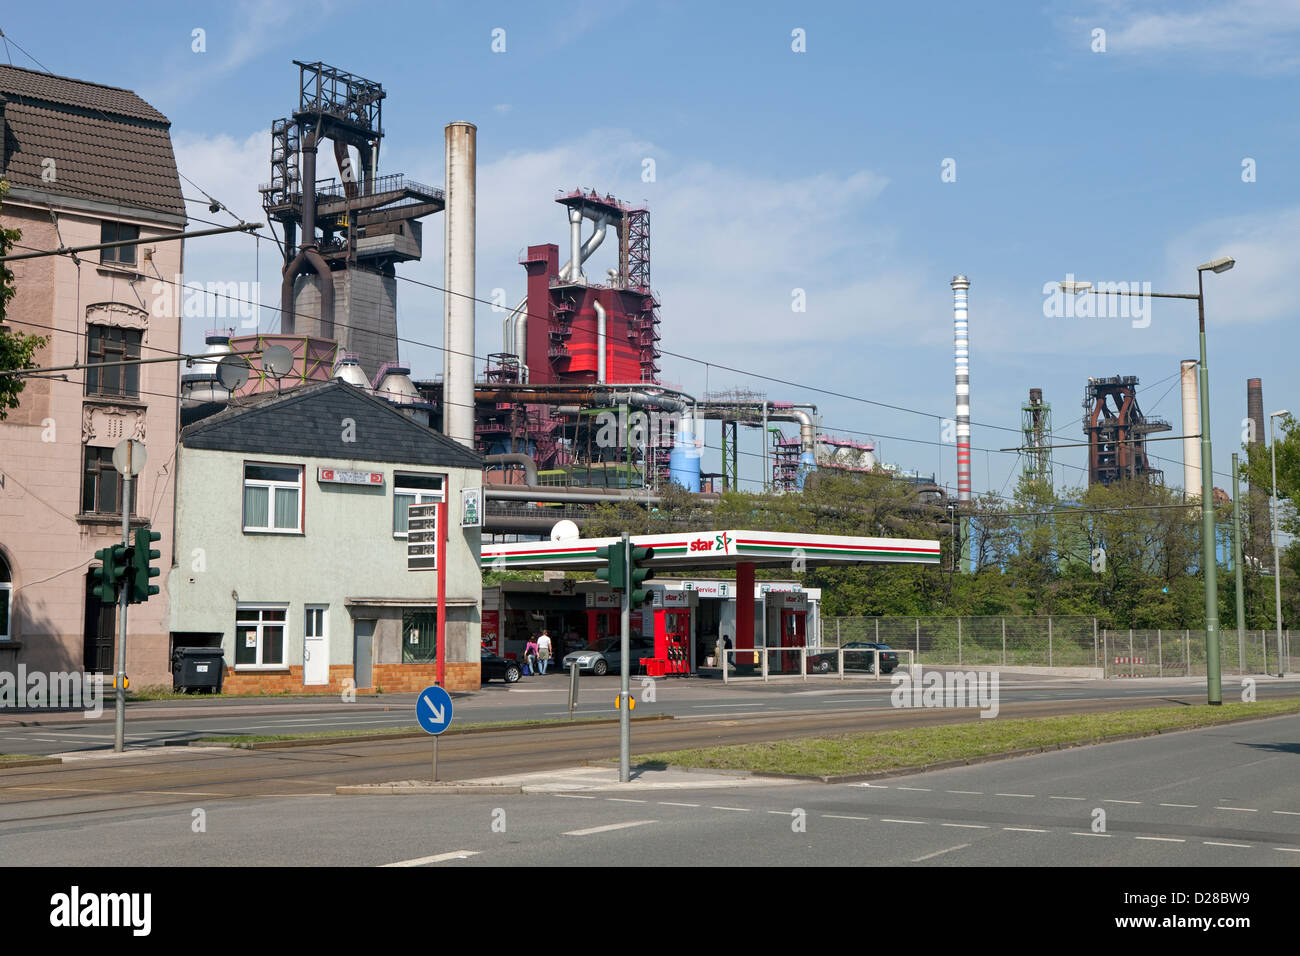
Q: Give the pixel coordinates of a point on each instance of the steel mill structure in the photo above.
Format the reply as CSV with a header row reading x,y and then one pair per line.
x,y
1117,431
1036,428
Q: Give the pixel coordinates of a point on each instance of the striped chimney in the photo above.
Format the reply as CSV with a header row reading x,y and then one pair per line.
x,y
961,345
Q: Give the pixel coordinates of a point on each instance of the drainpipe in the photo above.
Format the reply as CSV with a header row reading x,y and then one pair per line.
x,y
601,347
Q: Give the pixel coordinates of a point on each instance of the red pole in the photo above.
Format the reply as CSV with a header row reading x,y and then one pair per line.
x,y
744,606
441,558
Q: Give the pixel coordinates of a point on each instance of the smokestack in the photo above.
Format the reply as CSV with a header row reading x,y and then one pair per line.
x,y
961,344
1191,429
458,280
1255,410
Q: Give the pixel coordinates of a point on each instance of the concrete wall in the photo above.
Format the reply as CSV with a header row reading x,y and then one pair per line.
x,y
365,314
347,559
45,539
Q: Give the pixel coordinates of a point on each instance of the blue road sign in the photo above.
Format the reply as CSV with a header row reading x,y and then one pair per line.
x,y
433,710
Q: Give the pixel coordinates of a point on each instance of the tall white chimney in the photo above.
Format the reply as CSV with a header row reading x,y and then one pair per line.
x,y
961,350
458,280
1191,429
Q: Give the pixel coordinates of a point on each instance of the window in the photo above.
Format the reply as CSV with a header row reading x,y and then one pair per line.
x,y
411,489
106,343
273,498
315,623
419,637
6,592
259,636
118,232
101,485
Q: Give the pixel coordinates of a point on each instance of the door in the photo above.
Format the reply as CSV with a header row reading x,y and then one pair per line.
x,y
363,638
99,633
315,647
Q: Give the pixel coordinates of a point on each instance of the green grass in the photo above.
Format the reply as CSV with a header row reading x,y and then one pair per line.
x,y
920,746
6,759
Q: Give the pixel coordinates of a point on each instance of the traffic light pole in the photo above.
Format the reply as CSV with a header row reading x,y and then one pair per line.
x,y
119,684
624,672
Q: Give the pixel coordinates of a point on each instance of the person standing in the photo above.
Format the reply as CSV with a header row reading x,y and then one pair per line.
x,y
530,654
544,650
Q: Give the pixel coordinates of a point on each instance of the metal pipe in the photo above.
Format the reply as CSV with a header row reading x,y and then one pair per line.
x,y
309,190
516,458
585,496
458,279
1191,429
575,246
601,347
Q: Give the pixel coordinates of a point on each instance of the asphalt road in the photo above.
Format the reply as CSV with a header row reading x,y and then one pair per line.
x,y
155,723
1225,796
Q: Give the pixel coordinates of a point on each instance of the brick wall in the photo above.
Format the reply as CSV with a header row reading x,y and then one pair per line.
x,y
390,678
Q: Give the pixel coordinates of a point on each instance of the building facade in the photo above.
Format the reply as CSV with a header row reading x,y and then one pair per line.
x,y
86,164
291,551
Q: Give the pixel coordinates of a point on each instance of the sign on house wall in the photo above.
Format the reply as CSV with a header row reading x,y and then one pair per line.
x,y
339,476
422,537
471,507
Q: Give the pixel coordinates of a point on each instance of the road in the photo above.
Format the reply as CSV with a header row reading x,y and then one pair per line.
x,y
1225,796
154,723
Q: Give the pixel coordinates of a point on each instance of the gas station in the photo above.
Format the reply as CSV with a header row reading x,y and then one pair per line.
x,y
686,616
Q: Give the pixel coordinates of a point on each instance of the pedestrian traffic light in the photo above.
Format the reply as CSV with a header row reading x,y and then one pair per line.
x,y
615,569
110,573
142,568
638,558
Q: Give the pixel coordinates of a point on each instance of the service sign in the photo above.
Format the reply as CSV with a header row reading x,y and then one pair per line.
x,y
708,588
340,476
422,538
471,507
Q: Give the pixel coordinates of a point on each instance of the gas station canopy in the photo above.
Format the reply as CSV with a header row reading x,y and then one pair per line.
x,y
717,549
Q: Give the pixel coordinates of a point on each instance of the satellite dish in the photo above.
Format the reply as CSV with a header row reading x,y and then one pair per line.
x,y
277,361
565,530
232,372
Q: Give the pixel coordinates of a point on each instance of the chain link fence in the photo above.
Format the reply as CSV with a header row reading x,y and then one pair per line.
x,y
1061,641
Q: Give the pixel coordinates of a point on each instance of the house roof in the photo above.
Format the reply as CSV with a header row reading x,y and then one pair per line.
x,y
312,421
108,145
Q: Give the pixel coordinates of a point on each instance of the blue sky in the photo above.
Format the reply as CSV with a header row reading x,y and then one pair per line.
x,y
820,170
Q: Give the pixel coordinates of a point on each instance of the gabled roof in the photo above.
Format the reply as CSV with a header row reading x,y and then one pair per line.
x,y
108,145
310,422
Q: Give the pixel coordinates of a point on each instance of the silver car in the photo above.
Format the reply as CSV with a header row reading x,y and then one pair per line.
x,y
607,655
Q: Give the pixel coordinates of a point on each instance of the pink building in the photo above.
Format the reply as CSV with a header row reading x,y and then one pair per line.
x,y
86,164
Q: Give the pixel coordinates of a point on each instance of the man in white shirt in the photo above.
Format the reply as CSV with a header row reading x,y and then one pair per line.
x,y
544,650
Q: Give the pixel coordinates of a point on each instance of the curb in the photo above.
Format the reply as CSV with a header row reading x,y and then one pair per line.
x,y
426,789
34,762
409,735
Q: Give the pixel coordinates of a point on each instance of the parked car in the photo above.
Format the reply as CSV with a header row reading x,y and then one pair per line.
x,y
494,667
858,656
606,656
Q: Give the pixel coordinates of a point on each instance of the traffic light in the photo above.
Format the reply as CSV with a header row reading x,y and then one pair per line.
x,y
615,569
638,558
110,573
142,568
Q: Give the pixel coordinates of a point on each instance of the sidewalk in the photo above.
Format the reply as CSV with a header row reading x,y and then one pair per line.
x,y
585,779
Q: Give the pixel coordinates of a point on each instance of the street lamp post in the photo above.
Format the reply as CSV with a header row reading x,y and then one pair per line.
x,y
1277,567
1209,559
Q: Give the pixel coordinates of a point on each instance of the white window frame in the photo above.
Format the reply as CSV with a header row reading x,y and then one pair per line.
x,y
272,485
6,599
261,665
423,496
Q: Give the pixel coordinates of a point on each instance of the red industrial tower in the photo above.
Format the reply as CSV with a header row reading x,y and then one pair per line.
x,y
1117,430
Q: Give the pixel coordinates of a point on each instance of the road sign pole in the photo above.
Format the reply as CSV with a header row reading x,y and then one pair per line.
x,y
119,718
435,759
624,674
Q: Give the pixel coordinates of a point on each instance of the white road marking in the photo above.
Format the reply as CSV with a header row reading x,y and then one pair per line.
x,y
1077,833
1286,849
1028,795
1289,813
746,704
918,822
668,803
966,826
439,858
1162,839
609,826
975,793
931,856
574,796
1024,829
736,809
1185,806
1137,803
1244,846
918,789
782,813
1238,809
836,816
1066,798
625,800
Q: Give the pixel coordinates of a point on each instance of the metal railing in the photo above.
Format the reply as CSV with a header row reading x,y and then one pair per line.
x,y
799,661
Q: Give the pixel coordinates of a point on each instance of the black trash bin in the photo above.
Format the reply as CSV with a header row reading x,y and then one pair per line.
x,y
198,668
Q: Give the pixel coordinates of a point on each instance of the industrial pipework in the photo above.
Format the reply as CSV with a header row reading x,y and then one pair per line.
x,y
458,280
1191,429
601,347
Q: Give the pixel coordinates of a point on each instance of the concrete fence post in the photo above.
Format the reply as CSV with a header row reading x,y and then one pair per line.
x,y
959,642
1187,649
1094,642
877,630
1105,652
1263,643
1049,640
1160,655
837,632
918,638
1130,646
1004,642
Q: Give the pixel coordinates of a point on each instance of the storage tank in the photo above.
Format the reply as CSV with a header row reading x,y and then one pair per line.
x,y
199,384
684,459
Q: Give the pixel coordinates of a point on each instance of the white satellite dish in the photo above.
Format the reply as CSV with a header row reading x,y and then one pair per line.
x,y
565,530
277,361
232,372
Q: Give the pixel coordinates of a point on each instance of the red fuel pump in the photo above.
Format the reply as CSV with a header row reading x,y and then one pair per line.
x,y
672,641
792,636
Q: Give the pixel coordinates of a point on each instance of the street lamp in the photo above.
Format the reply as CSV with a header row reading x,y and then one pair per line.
x,y
1209,560
1277,567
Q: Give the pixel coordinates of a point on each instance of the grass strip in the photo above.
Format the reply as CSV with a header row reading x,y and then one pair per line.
x,y
885,750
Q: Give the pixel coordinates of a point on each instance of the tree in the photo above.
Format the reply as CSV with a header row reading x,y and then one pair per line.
x,y
1258,470
16,348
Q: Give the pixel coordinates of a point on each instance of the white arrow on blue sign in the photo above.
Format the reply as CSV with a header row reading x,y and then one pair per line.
x,y
433,709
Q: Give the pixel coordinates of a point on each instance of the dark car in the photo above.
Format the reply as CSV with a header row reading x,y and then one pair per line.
x,y
858,656
493,667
